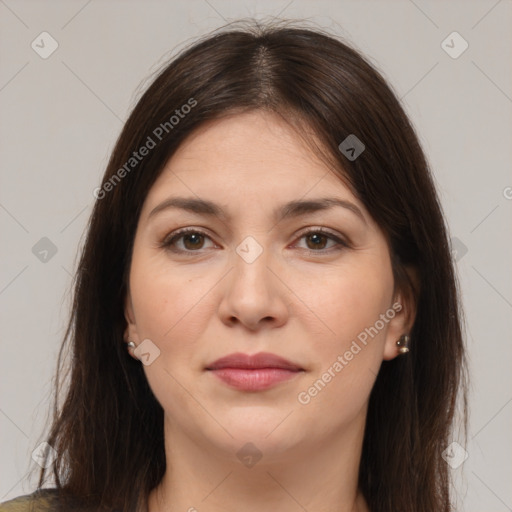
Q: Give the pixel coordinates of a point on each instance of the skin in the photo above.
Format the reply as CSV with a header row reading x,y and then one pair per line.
x,y
308,307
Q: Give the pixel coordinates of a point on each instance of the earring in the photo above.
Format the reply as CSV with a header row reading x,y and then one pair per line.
x,y
403,344
130,345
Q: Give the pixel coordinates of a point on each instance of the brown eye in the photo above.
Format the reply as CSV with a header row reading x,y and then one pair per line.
x,y
191,240
317,240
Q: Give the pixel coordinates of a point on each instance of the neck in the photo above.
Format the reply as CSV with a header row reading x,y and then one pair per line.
x,y
317,476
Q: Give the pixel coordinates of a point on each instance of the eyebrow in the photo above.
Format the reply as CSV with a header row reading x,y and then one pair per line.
x,y
290,209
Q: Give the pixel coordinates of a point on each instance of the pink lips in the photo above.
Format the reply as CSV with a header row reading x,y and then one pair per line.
x,y
254,372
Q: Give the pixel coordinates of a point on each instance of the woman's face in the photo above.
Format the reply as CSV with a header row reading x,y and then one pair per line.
x,y
257,276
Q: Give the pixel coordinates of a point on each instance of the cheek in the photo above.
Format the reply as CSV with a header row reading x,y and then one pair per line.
x,y
169,305
170,310
347,304
349,351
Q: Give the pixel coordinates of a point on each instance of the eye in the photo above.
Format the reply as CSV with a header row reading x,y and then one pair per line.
x,y
193,240
317,238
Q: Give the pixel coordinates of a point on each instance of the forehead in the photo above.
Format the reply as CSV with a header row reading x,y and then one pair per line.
x,y
251,161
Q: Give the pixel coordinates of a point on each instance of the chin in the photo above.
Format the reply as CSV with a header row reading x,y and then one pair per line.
x,y
265,429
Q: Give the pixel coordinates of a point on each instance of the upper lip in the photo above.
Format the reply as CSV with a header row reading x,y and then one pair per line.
x,y
255,361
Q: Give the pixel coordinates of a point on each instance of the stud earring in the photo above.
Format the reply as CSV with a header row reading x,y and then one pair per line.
x,y
403,344
130,345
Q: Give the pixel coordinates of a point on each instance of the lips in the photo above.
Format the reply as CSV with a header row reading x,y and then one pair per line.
x,y
261,360
256,372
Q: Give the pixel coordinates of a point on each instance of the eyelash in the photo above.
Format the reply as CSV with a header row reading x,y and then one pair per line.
x,y
168,242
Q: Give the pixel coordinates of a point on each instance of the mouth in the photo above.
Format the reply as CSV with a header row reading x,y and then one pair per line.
x,y
254,372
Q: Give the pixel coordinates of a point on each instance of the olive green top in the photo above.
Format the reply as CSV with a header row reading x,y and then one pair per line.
x,y
39,501
43,500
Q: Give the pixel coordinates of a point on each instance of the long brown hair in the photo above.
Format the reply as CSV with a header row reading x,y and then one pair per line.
x,y
108,432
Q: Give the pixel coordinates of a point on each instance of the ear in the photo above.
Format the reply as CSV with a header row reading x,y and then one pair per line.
x,y
405,307
130,333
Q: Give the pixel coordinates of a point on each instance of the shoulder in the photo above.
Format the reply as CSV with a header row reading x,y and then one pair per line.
x,y
42,500
47,500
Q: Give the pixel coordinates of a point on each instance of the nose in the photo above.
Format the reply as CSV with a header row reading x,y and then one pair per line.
x,y
254,295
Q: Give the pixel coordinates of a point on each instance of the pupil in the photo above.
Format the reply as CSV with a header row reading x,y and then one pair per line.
x,y
318,238
197,238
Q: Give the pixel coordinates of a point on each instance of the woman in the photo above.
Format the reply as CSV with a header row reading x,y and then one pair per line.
x,y
266,314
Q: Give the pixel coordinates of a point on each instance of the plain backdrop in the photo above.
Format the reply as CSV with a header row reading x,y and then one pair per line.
x,y
61,114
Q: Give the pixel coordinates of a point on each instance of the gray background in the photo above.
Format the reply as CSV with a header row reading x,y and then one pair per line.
x,y
60,117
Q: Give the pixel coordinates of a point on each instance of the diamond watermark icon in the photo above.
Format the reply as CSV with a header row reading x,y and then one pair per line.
x,y
44,455
44,45
249,249
459,249
44,250
249,455
455,455
351,147
454,45
147,352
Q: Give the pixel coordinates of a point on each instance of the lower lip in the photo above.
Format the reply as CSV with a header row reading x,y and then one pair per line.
x,y
254,380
